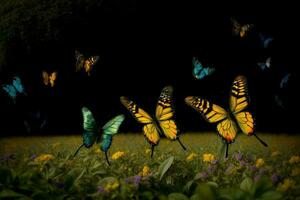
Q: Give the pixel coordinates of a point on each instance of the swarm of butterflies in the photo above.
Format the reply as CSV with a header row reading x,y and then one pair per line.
x,y
229,122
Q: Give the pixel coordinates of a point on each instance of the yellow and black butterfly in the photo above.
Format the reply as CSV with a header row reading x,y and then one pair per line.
x,y
240,30
87,64
229,122
162,123
49,79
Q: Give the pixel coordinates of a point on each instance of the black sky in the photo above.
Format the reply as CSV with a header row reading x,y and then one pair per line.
x,y
143,50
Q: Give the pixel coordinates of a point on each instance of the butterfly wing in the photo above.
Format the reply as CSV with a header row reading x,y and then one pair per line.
x,y
89,63
52,78
199,71
285,80
239,101
18,85
149,129
210,112
90,134
236,27
11,91
45,77
79,60
165,114
227,130
109,129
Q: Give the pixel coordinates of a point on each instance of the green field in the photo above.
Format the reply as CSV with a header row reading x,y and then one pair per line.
x,y
44,168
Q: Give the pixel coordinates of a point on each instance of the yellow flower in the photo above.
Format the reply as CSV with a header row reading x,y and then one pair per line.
x,y
208,157
97,150
111,186
146,171
259,162
56,144
191,157
295,171
287,184
44,158
275,153
294,159
148,151
118,155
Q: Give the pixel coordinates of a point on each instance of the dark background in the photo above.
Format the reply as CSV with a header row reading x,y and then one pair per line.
x,y
143,48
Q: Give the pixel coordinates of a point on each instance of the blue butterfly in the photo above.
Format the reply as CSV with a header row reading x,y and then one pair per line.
x,y
264,65
14,89
265,40
285,80
199,71
91,135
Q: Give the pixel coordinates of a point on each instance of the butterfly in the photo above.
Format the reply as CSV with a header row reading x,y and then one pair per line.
x,y
91,135
284,81
240,30
49,78
264,65
35,121
87,64
265,40
14,89
162,123
228,121
199,71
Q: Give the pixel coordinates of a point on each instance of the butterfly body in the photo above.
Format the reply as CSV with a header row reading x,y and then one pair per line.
x,y
199,71
89,138
162,123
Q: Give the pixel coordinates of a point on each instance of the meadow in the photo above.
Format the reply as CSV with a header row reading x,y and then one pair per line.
x,y
43,167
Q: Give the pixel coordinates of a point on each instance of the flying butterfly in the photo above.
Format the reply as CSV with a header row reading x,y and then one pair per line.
x,y
91,132
86,64
200,71
265,65
239,29
284,81
162,123
265,40
228,121
49,79
14,89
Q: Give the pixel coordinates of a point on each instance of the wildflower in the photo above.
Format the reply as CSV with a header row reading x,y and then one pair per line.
x,y
295,171
191,157
242,163
207,157
274,178
97,150
111,186
118,155
275,153
262,170
257,178
134,180
101,190
253,168
146,171
287,184
44,158
294,159
202,175
239,156
148,151
33,156
259,162
230,169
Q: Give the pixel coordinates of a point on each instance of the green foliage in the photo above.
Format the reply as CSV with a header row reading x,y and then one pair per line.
x,y
43,168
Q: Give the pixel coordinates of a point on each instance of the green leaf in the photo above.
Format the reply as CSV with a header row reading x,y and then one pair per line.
x,y
188,185
274,195
247,185
177,196
164,166
6,193
204,192
5,176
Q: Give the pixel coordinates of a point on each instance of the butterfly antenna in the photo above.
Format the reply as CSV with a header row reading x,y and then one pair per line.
x,y
107,158
226,153
152,150
78,150
261,141
181,144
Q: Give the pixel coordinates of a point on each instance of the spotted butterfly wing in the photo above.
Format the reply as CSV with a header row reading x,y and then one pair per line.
x,y
108,130
200,72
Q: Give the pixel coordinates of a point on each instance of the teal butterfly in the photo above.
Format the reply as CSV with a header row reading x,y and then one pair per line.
x,y
199,71
14,89
91,135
